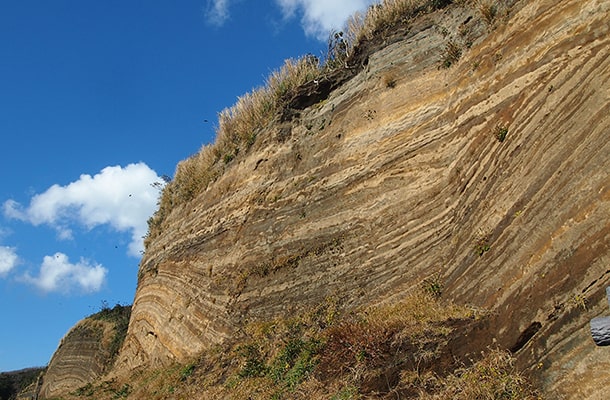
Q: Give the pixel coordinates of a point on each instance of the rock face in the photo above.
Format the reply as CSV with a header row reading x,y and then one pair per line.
x,y
492,173
85,353
77,361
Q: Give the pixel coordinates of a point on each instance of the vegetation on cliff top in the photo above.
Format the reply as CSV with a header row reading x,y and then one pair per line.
x,y
119,316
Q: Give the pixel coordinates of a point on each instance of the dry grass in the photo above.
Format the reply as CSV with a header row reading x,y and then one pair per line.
x,y
385,15
453,52
389,80
494,377
320,355
406,335
489,11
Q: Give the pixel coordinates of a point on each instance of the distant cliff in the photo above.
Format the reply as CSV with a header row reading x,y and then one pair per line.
x,y
468,143
86,352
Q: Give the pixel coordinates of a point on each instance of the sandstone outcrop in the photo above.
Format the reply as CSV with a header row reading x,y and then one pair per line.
x,y
492,173
85,353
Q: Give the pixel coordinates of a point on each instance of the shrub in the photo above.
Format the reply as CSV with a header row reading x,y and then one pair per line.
x,y
337,53
383,337
500,132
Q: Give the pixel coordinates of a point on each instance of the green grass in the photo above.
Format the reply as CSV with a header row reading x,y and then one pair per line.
x,y
386,351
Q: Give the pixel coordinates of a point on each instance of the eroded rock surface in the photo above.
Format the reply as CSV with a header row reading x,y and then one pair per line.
x,y
492,173
85,353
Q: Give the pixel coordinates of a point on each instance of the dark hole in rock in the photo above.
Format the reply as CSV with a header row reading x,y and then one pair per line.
x,y
525,336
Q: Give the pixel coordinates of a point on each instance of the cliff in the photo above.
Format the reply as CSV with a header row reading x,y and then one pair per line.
x,y
85,353
462,145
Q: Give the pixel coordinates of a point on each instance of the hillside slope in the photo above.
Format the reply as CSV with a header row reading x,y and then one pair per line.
x,y
490,175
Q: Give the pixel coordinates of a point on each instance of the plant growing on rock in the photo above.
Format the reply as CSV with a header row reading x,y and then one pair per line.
x,y
482,243
489,11
389,80
500,131
492,377
239,125
453,52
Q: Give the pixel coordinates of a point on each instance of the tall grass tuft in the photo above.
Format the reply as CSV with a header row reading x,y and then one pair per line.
x,y
493,377
385,15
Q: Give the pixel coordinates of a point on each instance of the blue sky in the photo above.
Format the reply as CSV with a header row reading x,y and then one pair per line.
x,y
99,100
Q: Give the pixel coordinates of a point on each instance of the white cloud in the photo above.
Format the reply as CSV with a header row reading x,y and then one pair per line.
x,y
320,17
14,210
8,260
57,274
122,198
217,12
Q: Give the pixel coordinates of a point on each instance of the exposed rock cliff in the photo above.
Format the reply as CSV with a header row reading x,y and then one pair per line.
x,y
492,173
85,353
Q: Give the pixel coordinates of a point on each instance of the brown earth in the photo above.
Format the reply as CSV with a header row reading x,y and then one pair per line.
x,y
399,175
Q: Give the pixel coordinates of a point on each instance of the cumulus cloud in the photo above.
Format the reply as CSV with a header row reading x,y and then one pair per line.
x,y
8,260
58,274
320,17
120,197
217,12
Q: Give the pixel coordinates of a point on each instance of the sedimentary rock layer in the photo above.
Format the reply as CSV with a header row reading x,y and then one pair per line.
x,y
82,357
492,173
